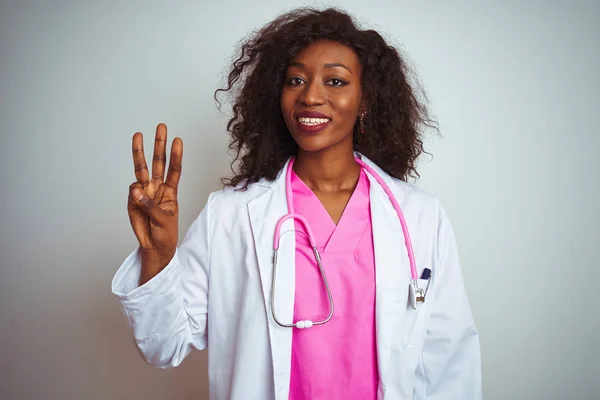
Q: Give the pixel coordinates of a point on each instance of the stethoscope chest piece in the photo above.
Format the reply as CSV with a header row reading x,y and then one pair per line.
x,y
415,294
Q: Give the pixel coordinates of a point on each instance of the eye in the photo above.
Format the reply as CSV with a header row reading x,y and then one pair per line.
x,y
337,82
294,81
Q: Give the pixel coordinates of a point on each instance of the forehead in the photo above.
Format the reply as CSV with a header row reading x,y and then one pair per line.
x,y
323,52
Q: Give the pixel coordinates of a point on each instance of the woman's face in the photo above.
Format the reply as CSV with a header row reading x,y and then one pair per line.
x,y
322,96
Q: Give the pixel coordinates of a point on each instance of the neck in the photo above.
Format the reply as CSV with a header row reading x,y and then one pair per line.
x,y
327,172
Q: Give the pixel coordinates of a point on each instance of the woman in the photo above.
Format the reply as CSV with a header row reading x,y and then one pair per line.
x,y
322,110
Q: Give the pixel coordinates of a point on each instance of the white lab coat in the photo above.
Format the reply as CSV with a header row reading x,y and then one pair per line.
x,y
216,292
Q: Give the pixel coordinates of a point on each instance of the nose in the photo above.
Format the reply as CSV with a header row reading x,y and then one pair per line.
x,y
312,95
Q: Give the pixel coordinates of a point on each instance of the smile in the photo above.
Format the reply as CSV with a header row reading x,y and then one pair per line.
x,y
312,125
313,121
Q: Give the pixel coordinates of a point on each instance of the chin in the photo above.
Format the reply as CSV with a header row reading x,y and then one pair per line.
x,y
313,144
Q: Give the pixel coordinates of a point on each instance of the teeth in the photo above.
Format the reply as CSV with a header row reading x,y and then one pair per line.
x,y
312,121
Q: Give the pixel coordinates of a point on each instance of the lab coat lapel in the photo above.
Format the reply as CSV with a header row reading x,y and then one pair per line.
x,y
392,272
264,212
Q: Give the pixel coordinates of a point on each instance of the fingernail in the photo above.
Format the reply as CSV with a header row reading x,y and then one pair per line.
x,y
137,194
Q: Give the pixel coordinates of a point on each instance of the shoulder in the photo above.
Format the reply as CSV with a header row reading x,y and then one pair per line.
x,y
426,218
408,195
426,212
415,197
231,198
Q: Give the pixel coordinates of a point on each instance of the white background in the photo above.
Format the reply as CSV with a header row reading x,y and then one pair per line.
x,y
513,84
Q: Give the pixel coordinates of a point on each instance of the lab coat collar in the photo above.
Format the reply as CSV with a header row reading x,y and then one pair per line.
x,y
392,271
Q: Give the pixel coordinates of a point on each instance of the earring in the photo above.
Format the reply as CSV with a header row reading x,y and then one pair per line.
x,y
362,123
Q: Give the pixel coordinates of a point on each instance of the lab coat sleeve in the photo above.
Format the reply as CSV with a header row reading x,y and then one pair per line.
x,y
451,362
168,314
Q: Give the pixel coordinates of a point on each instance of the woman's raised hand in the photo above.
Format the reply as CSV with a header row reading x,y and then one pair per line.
x,y
152,205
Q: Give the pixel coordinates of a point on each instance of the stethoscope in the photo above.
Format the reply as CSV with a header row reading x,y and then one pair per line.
x,y
415,294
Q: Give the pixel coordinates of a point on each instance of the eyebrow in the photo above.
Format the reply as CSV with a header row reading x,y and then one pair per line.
x,y
328,65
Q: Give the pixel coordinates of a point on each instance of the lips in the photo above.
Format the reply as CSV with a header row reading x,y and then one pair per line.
x,y
311,114
311,122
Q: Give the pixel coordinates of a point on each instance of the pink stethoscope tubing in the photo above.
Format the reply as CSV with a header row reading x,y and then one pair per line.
x,y
293,216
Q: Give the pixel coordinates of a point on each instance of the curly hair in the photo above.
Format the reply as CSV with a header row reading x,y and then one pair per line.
x,y
259,135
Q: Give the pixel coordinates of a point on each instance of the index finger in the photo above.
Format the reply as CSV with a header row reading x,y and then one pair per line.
x,y
160,153
139,160
174,172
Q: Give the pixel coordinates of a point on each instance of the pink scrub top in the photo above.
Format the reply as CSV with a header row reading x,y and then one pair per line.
x,y
337,360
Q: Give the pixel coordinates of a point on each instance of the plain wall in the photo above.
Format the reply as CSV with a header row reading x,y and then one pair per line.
x,y
514,86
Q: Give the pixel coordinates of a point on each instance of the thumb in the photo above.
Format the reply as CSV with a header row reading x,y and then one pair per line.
x,y
147,205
